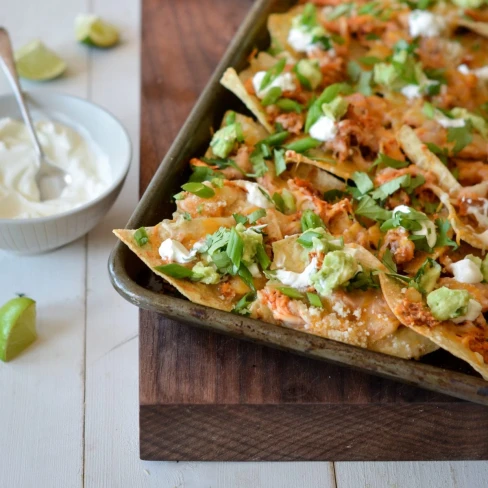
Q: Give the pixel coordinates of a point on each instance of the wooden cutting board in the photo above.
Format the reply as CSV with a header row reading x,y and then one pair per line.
x,y
205,396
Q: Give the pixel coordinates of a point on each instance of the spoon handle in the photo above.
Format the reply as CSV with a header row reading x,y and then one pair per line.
x,y
7,63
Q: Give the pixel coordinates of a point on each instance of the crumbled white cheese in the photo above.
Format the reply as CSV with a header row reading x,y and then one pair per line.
x,y
472,313
481,73
254,270
255,194
466,271
339,309
176,252
412,91
284,81
297,280
446,122
325,129
426,24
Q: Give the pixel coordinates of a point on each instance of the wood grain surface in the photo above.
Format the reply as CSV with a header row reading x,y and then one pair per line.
x,y
209,397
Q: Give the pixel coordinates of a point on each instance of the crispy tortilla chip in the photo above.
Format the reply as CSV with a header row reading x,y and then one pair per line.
x,y
232,82
360,318
420,155
463,231
187,233
319,179
342,169
262,62
279,26
459,340
480,28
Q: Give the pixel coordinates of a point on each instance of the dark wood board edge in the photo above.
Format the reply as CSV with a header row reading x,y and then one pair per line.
x,y
308,432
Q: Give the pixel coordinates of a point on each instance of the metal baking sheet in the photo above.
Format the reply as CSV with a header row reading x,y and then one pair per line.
x,y
439,372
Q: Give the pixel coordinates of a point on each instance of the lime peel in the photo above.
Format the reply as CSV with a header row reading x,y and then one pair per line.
x,y
17,327
92,30
35,61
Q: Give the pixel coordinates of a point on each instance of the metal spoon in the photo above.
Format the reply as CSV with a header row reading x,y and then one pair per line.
x,y
50,179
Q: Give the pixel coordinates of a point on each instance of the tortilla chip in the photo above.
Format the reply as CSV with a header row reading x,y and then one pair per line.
x,y
318,178
232,82
463,231
420,155
279,26
185,232
360,318
342,169
458,339
262,62
480,28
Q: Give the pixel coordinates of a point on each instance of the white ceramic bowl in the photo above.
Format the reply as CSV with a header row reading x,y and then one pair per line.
x,y
30,236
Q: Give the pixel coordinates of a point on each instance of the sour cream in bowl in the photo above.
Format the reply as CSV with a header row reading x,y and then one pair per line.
x,y
82,138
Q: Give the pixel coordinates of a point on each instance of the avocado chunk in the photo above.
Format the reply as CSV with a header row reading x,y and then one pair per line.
x,y
337,269
224,140
446,304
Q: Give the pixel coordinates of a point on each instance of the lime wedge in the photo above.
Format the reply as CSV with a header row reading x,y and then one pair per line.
x,y
92,30
17,327
36,62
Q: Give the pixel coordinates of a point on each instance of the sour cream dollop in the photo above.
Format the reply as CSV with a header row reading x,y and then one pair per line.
x,y
284,81
65,147
466,271
297,280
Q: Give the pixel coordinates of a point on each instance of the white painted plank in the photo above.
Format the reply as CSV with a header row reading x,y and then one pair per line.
x,y
41,412
457,474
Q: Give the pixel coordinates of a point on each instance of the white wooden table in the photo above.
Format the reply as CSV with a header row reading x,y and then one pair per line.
x,y
69,404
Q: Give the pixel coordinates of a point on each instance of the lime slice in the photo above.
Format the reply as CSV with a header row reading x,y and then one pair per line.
x,y
17,327
36,62
92,30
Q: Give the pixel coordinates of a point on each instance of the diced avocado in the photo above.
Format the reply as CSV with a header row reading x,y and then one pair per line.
x,y
338,268
206,274
309,69
446,304
224,140
479,123
251,241
469,3
289,200
335,109
428,278
475,259
385,74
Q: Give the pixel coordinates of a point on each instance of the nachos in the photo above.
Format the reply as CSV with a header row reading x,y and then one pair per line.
x,y
351,202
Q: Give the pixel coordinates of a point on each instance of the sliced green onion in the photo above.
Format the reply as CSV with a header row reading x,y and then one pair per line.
x,y
240,219
273,73
262,257
230,118
256,215
175,271
239,133
279,159
303,145
241,307
246,276
275,139
310,220
289,200
235,247
199,189
272,96
290,292
141,237
288,105
314,300
279,202
179,196
307,237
